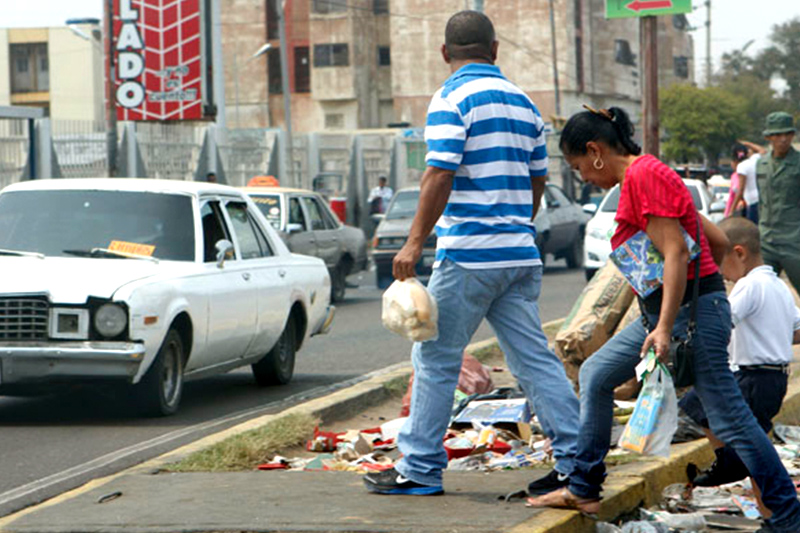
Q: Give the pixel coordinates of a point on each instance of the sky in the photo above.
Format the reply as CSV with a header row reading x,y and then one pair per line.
x,y
733,22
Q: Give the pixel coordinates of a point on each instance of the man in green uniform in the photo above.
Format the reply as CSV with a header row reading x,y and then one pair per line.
x,y
778,179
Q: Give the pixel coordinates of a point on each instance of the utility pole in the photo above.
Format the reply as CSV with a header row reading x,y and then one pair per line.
x,y
111,97
287,97
555,58
708,44
649,30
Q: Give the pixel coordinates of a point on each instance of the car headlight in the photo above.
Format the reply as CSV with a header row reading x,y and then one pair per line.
x,y
110,320
385,243
598,233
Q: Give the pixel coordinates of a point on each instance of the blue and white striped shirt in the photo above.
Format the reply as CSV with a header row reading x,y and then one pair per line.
x,y
490,133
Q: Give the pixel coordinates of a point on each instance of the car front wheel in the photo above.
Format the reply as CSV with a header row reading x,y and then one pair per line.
x,y
161,388
277,367
338,283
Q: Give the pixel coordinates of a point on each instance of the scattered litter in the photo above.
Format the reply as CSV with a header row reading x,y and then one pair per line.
x,y
640,526
109,497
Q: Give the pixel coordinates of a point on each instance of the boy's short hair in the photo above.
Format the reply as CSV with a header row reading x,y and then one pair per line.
x,y
742,232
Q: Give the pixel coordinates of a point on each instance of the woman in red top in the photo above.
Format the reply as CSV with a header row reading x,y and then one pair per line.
x,y
654,199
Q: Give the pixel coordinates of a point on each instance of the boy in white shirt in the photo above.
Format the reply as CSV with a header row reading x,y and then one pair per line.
x,y
766,324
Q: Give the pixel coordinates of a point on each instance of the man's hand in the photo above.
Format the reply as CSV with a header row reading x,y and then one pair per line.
x,y
405,262
658,340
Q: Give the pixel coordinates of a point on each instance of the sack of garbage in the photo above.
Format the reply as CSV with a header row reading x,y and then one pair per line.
x,y
593,318
655,417
410,311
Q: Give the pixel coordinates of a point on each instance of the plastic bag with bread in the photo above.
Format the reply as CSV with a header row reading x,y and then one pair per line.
x,y
410,311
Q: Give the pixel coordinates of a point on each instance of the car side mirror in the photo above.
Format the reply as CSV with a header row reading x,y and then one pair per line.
x,y
590,209
294,228
224,251
554,204
377,217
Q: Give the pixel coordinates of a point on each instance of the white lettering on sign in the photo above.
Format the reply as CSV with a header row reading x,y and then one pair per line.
x,y
130,65
130,94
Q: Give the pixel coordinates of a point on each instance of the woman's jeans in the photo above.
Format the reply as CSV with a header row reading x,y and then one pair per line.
x,y
508,299
729,416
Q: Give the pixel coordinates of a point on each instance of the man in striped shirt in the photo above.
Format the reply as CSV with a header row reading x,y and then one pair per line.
x,y
487,165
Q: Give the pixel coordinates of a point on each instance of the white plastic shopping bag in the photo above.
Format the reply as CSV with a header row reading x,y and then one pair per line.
x,y
410,311
655,417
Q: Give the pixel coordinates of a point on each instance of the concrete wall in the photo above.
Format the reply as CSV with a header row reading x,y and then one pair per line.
x,y
75,97
5,80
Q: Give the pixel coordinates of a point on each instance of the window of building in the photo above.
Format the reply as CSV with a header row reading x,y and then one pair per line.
x,y
275,80
681,66
334,121
331,55
384,56
302,70
380,7
30,69
329,6
680,22
415,155
273,30
623,53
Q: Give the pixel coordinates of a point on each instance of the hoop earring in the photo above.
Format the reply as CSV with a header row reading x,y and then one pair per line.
x,y
601,166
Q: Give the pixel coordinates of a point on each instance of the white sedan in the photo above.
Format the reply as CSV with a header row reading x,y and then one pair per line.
x,y
149,283
597,243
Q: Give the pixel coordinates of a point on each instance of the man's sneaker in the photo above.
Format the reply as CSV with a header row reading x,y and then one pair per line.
x,y
721,472
392,482
547,484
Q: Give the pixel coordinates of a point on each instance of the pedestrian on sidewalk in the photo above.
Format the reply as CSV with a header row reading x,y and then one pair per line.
x,y
487,165
600,145
767,323
380,196
778,179
735,206
746,172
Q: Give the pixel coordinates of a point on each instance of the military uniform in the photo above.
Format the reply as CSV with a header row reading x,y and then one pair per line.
x,y
778,183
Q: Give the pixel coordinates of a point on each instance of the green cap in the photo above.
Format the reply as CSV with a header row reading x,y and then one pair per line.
x,y
779,122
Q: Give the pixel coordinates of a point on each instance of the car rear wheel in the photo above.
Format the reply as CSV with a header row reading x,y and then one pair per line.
x,y
277,367
575,254
160,390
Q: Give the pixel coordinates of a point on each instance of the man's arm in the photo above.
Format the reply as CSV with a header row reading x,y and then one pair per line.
x,y
754,147
537,186
434,193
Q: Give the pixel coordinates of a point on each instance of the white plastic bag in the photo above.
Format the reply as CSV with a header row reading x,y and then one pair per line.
x,y
655,417
410,311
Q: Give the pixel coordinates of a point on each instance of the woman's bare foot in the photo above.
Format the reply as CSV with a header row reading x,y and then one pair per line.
x,y
564,499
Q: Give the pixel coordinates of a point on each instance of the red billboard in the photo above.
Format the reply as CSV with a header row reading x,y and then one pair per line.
x,y
158,59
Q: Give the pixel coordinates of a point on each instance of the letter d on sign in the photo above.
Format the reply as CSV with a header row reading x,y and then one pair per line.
x,y
130,66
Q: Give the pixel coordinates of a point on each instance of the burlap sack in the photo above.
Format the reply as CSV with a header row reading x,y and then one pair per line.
x,y
633,314
593,318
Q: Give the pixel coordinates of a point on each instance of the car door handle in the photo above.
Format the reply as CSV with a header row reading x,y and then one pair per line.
x,y
246,276
281,272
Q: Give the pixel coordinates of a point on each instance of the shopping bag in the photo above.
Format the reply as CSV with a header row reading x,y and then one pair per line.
x,y
410,311
655,417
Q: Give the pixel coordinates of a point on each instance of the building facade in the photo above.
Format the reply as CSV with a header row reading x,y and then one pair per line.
x,y
60,69
358,64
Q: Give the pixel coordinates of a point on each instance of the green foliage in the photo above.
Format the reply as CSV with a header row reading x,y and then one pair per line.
x,y
700,122
782,58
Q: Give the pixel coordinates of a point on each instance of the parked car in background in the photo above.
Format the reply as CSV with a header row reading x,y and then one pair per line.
x,y
560,225
307,225
148,283
602,225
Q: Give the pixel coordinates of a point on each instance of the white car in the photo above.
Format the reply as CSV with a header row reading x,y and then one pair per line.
x,y
597,243
148,283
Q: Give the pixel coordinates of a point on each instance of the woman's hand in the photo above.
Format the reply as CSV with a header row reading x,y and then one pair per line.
x,y
659,340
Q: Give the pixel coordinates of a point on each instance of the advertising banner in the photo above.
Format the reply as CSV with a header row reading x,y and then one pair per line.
x,y
158,60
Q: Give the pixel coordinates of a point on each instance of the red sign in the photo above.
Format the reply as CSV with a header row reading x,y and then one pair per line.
x,y
157,63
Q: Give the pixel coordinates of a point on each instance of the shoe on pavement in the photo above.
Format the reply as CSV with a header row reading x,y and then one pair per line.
x,y
720,472
392,482
547,484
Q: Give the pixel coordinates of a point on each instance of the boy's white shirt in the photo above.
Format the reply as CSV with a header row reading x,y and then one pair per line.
x,y
764,318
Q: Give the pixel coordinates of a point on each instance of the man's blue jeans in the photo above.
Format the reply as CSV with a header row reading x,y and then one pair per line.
x,y
507,298
729,416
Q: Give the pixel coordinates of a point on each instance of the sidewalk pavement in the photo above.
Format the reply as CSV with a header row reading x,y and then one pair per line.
x,y
150,501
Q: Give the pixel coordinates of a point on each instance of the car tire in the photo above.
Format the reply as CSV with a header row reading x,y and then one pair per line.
x,y
277,366
338,283
575,254
590,272
160,390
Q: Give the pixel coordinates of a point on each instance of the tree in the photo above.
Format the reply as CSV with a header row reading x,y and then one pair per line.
x,y
758,100
700,123
782,58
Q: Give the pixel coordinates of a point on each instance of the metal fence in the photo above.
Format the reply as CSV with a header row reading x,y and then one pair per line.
x,y
246,153
81,148
170,151
14,149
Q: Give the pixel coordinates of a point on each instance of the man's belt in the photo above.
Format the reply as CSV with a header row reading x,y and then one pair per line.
x,y
776,368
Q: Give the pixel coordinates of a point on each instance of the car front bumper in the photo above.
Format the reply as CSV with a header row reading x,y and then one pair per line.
x,y
326,322
44,362
595,252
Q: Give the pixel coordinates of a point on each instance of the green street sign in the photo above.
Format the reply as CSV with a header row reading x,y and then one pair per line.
x,y
617,9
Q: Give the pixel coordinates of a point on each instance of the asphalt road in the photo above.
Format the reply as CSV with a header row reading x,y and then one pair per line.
x,y
51,444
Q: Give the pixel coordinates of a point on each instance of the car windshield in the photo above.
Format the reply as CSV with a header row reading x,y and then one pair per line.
x,y
69,223
270,206
611,203
404,205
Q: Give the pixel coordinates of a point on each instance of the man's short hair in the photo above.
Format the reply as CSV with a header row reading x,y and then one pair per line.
x,y
469,35
742,232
